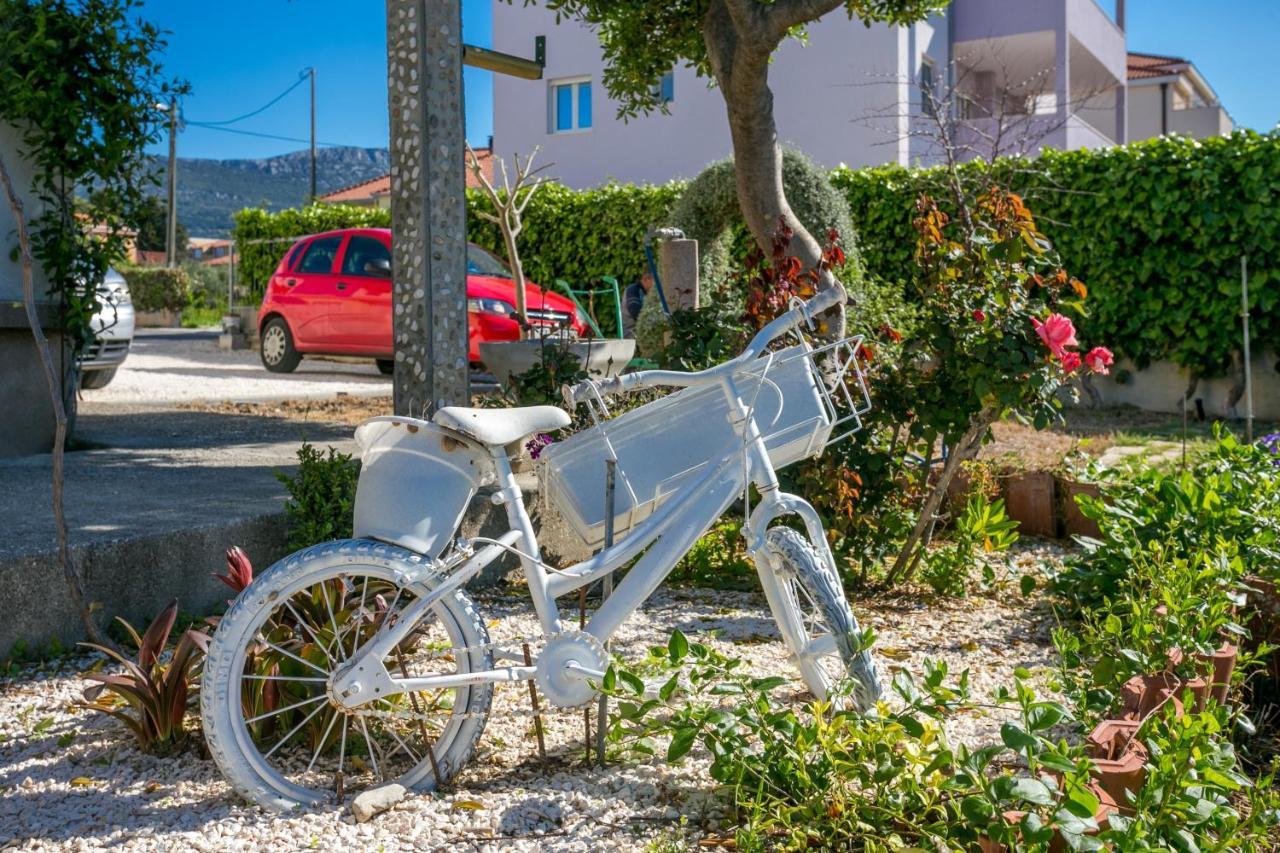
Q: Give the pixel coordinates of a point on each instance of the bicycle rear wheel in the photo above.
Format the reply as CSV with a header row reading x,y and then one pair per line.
x,y
269,715
820,630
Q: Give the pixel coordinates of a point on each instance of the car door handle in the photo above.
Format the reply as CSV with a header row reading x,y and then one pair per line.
x,y
290,281
342,285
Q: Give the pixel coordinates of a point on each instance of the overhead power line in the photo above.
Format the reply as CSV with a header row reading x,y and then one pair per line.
x,y
263,108
264,135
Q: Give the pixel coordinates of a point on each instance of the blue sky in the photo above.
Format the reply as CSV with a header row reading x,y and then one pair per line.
x,y
239,55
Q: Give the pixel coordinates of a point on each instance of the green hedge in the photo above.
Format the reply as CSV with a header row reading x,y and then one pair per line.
x,y
262,238
580,235
1155,229
575,235
157,288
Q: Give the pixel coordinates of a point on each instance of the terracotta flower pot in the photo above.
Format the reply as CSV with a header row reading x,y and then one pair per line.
x,y
1030,501
1119,759
1143,695
1074,521
1218,667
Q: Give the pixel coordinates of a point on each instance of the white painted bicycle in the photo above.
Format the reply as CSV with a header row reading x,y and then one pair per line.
x,y
359,662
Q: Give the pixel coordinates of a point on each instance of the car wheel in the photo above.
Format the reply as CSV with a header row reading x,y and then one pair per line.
x,y
94,379
386,366
278,353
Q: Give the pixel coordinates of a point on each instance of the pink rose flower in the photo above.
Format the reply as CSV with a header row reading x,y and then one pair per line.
x,y
1057,333
1070,361
1099,359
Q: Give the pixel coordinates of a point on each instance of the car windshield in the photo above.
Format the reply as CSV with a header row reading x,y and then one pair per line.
x,y
481,262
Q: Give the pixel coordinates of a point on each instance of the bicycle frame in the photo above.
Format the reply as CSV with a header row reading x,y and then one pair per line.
x,y
668,535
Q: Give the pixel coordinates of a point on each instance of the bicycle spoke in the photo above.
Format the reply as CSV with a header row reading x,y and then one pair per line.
x,y
310,701
373,759
294,730
412,754
314,636
324,591
284,678
324,737
295,657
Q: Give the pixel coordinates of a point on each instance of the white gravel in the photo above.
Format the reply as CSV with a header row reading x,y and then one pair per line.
x,y
73,780
185,365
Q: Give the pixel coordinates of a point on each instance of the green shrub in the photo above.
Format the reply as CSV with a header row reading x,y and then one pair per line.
x,y
580,235
1231,494
982,527
157,288
322,496
708,212
262,237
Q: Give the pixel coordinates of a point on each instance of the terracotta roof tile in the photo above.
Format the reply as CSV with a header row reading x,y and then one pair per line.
x,y
1144,66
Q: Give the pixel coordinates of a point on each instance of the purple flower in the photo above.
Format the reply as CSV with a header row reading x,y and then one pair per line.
x,y
1271,443
536,444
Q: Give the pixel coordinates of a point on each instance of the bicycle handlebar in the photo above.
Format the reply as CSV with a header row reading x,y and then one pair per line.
x,y
588,388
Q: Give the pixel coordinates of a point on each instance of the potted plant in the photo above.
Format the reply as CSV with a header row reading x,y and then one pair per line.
x,y
603,357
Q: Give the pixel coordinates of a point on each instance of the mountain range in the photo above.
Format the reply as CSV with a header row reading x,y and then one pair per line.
x,y
210,191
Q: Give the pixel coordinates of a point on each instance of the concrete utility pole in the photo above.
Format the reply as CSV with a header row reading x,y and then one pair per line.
x,y
428,204
171,220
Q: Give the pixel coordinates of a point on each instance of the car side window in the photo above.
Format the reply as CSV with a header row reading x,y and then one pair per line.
x,y
360,251
319,255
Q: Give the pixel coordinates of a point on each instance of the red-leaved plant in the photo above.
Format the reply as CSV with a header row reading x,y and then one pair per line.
x,y
152,693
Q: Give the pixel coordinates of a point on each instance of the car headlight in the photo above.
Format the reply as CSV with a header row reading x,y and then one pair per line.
x,y
123,297
491,306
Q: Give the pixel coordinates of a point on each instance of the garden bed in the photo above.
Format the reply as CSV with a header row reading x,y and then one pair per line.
x,y
68,777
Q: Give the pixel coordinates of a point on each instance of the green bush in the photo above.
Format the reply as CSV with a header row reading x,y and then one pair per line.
x,y
263,237
708,212
322,496
580,235
157,288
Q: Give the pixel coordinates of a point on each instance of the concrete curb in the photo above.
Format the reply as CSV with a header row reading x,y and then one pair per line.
x,y
136,577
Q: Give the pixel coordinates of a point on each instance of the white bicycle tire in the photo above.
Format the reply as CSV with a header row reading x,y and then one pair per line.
x,y
799,571
225,731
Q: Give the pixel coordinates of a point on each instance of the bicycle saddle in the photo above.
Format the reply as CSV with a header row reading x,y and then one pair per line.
x,y
497,427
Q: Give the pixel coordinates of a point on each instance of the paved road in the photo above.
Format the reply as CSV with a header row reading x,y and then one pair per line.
x,y
167,366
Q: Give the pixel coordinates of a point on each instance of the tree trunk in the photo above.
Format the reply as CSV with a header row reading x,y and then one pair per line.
x,y
740,63
963,450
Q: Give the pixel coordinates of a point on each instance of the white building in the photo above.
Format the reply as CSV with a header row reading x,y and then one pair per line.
x,y
851,94
1168,95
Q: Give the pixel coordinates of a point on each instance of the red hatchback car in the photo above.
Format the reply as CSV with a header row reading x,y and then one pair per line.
x,y
331,295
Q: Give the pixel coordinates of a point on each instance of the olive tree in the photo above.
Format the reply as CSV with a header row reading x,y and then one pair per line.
x,y
732,42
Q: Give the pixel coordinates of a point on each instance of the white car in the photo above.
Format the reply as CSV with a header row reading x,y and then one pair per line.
x,y
112,330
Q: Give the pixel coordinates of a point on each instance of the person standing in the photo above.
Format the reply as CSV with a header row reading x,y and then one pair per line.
x,y
633,301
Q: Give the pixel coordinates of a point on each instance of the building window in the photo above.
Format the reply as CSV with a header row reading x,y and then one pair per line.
x,y
928,94
664,91
570,105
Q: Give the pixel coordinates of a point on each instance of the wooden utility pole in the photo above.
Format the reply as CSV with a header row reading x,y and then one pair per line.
x,y
428,205
171,220
312,197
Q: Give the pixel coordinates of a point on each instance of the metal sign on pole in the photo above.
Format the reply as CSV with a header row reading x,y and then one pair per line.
x,y
428,205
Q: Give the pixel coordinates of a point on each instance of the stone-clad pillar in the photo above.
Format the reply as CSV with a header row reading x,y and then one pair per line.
x,y
428,204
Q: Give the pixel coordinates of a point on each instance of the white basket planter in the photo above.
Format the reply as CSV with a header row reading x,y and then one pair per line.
x,y
602,357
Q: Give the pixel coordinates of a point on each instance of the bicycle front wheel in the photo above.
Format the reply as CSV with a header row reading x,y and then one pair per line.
x,y
820,630
269,716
